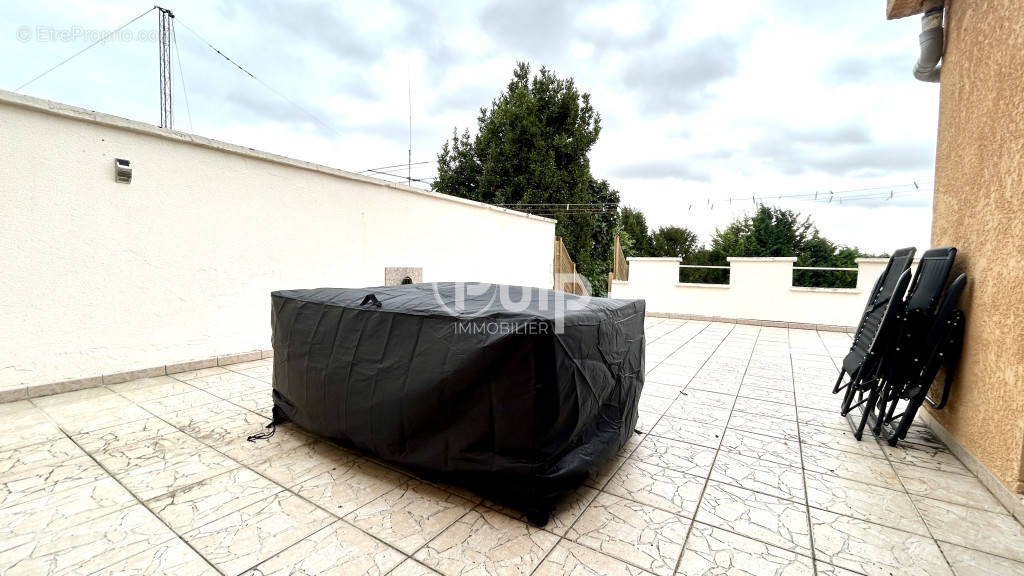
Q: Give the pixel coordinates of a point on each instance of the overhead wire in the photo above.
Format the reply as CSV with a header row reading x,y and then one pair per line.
x,y
76,54
181,74
297,106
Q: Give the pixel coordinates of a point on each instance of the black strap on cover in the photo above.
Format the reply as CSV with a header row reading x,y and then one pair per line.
x,y
265,435
370,298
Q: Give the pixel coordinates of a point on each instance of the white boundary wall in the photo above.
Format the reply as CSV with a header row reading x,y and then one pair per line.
x,y
758,289
101,277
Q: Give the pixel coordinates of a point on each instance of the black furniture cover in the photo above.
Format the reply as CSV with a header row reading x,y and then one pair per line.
x,y
517,393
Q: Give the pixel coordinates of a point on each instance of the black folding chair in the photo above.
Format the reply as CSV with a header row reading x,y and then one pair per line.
x,y
860,361
864,385
943,347
904,354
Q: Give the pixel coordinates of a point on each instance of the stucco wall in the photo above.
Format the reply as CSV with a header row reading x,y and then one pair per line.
x,y
979,208
101,277
758,289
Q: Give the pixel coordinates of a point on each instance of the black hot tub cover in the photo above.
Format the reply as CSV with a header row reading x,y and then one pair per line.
x,y
519,397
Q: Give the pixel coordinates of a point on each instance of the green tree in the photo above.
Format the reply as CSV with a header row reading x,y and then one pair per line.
x,y
776,232
673,241
634,232
769,232
532,147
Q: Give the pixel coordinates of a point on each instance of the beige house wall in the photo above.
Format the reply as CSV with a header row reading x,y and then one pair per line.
x,y
979,208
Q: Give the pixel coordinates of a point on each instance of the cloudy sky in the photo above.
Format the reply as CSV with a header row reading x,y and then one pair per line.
x,y
705,105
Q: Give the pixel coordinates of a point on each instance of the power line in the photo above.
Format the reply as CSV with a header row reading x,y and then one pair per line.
x,y
69,58
402,165
314,117
397,176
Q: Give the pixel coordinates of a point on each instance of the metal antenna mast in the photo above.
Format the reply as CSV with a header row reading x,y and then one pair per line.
x,y
409,76
166,109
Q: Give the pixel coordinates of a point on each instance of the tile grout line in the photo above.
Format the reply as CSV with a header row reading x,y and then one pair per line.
x,y
245,465
600,489
684,386
800,446
916,509
135,496
899,478
707,480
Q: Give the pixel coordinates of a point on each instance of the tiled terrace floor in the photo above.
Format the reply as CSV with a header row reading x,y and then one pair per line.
x,y
745,468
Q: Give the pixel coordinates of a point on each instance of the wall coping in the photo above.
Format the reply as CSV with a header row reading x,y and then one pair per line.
x,y
756,259
823,289
654,259
699,285
91,116
870,260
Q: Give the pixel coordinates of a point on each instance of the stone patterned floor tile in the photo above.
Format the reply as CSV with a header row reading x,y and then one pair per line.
x,y
770,408
248,536
782,395
16,461
707,399
25,485
759,475
838,439
680,456
683,409
123,435
824,569
765,424
712,551
87,547
233,442
261,402
410,515
766,518
81,402
891,508
335,550
709,435
411,567
350,486
161,465
167,405
74,422
939,459
667,392
62,510
874,471
769,448
485,541
990,532
967,562
150,388
564,515
295,504
571,559
664,488
171,558
34,430
873,549
303,462
823,418
193,506
948,487
641,535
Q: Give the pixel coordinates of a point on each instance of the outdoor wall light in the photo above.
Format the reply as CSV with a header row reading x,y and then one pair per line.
x,y
122,171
